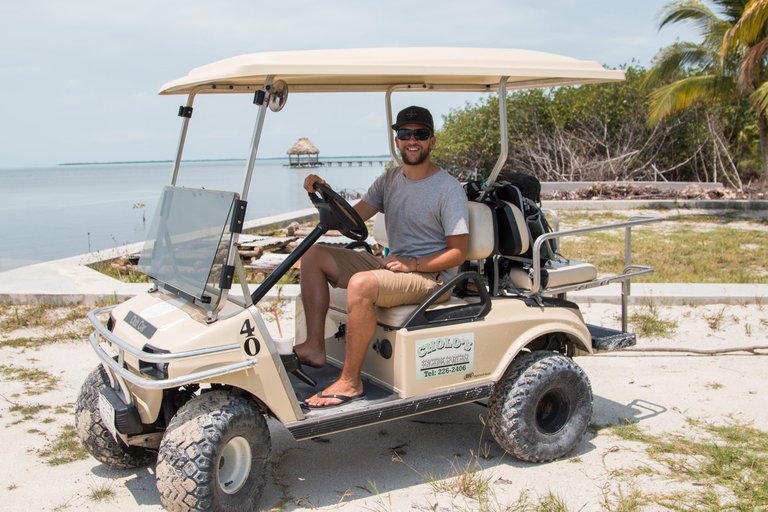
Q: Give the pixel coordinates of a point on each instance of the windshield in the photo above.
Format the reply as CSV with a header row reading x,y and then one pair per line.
x,y
188,241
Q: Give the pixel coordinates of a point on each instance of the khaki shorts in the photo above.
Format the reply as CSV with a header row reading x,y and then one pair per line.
x,y
395,288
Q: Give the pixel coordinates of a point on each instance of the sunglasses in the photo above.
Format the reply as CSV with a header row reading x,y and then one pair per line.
x,y
419,133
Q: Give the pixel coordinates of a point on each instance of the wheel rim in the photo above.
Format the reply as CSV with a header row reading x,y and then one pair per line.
x,y
552,412
234,465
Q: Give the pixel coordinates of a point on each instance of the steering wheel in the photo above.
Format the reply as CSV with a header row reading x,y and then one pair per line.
x,y
337,213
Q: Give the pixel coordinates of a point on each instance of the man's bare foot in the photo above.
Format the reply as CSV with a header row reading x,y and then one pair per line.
x,y
310,355
340,392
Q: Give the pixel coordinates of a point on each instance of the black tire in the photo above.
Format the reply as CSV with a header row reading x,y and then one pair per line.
x,y
541,408
215,436
95,436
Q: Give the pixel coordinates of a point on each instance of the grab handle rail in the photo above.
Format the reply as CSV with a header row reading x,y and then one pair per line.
x,y
117,363
634,221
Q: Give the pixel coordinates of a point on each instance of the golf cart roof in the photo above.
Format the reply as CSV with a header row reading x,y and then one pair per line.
x,y
379,69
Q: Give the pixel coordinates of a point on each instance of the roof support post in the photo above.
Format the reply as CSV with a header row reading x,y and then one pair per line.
x,y
390,122
186,114
503,133
263,98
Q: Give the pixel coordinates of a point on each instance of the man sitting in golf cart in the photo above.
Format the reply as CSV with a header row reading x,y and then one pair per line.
x,y
427,230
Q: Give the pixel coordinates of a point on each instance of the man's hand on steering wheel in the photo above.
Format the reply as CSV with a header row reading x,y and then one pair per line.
x,y
335,212
309,183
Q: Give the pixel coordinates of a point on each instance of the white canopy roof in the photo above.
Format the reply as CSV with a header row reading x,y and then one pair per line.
x,y
378,69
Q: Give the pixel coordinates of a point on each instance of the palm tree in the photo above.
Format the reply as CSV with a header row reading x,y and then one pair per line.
x,y
749,38
709,71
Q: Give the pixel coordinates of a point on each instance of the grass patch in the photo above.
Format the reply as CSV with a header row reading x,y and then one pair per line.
x,y
620,501
682,249
24,342
101,491
34,342
45,324
648,322
14,317
117,269
727,465
35,381
715,320
551,503
64,449
466,480
27,412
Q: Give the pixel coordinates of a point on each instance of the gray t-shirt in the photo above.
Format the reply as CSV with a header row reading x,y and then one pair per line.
x,y
420,213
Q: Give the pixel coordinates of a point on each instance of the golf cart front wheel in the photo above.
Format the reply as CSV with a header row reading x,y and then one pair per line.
x,y
541,408
94,434
213,455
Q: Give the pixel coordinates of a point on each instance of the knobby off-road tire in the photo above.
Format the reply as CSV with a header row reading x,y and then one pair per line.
x,y
214,455
541,408
95,436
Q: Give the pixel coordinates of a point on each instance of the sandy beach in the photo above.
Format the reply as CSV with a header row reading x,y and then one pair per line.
x,y
444,460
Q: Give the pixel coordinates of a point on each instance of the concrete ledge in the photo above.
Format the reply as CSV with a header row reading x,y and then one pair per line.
x,y
570,186
281,220
676,294
651,204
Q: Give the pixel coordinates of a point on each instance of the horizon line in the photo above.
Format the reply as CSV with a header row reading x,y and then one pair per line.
x,y
121,162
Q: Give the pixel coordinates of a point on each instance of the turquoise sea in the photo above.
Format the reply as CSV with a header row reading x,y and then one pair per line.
x,y
49,213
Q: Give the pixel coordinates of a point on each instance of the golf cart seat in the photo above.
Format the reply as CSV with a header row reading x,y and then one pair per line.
x,y
514,244
482,244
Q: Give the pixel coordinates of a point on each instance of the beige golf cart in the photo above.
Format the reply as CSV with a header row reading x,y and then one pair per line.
x,y
189,370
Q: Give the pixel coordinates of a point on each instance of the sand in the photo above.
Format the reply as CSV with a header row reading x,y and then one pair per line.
x,y
411,464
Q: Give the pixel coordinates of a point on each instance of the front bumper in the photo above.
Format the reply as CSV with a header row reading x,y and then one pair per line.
x,y
116,362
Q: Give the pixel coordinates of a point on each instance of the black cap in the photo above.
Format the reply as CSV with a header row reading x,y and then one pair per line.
x,y
414,115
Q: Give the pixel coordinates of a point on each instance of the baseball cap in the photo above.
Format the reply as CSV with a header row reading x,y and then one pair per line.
x,y
414,115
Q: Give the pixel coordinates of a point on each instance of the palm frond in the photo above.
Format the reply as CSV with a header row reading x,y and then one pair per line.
x,y
751,67
750,27
694,11
759,99
679,95
731,9
682,56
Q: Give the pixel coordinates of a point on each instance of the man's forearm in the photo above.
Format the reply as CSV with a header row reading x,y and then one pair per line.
x,y
445,259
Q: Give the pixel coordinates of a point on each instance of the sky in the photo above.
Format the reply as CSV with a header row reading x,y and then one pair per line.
x,y
79,78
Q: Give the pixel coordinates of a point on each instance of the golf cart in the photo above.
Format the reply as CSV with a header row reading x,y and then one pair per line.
x,y
189,370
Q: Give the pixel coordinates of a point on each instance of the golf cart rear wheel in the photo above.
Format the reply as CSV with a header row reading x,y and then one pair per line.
x,y
541,408
214,455
94,434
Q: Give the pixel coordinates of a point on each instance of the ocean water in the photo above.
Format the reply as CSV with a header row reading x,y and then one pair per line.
x,y
49,213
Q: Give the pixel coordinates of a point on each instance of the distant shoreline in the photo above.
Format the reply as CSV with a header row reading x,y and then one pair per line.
x,y
131,162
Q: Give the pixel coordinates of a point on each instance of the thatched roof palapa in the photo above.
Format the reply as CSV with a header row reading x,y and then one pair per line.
x,y
303,146
303,154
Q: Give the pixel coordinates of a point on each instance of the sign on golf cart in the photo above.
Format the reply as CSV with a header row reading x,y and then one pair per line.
x,y
190,371
442,356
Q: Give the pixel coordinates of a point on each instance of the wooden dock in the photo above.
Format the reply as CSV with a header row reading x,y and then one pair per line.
x,y
368,162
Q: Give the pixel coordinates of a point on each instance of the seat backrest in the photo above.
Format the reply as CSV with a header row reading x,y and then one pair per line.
x,y
514,237
482,232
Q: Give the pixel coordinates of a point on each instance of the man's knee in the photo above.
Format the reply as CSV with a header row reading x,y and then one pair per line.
x,y
314,255
318,259
363,286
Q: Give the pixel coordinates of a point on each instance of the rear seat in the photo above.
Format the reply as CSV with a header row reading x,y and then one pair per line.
x,y
515,239
482,244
